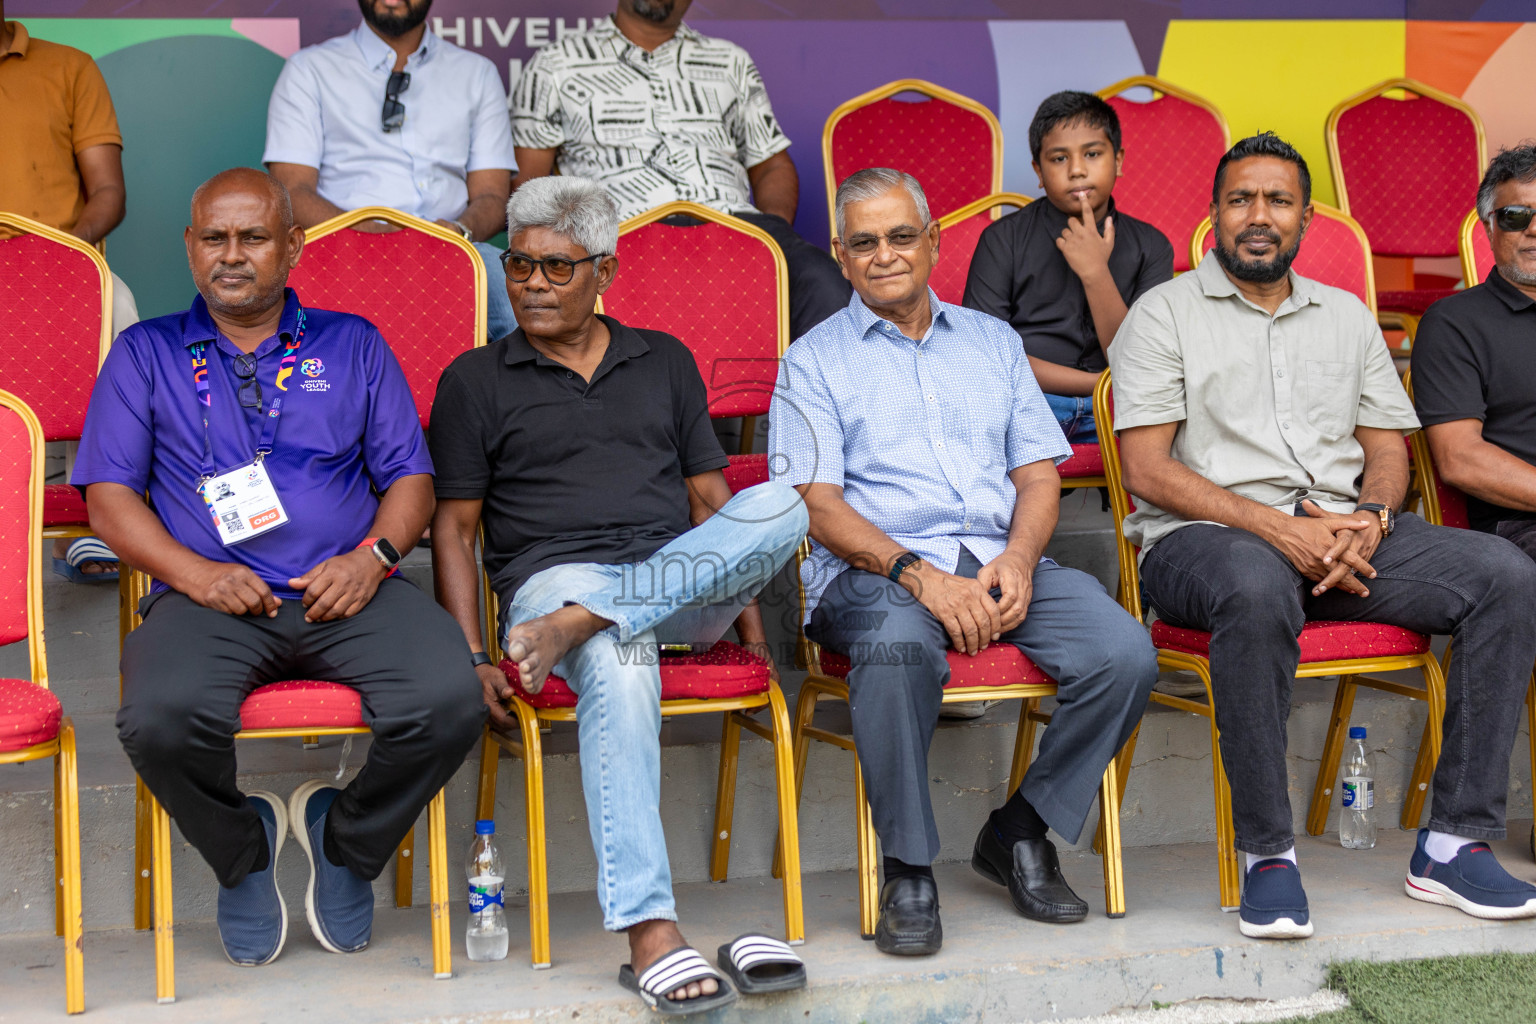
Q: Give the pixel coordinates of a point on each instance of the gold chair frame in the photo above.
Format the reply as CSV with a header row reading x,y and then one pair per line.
x,y
1464,242
1164,86
67,903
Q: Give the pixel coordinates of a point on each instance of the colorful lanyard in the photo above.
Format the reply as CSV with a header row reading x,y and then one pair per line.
x,y
205,399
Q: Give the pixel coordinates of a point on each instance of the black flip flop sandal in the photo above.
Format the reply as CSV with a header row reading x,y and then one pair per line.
x,y
758,963
681,967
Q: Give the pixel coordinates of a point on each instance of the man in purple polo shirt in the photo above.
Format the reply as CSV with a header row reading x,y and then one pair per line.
x,y
286,473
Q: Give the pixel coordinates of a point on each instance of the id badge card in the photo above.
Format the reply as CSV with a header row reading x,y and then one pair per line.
x,y
243,502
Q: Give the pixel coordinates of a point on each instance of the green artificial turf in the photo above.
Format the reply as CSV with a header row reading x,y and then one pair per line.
x,y
1498,988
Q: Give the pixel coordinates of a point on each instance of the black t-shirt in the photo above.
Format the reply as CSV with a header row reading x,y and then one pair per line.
x,y
1474,358
571,471
1018,275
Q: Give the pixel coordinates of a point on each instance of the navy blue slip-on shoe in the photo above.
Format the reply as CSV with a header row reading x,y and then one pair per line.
x,y
339,905
1473,882
1274,903
253,920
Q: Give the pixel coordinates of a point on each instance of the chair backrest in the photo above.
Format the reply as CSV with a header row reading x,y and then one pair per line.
x,y
1120,502
950,143
1404,167
423,287
958,234
1444,505
1476,250
1335,252
21,520
1172,144
720,286
56,294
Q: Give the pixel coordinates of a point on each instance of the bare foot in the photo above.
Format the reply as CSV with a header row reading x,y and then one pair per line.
x,y
538,644
649,941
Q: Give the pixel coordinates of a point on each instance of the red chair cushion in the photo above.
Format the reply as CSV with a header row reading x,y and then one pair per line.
x,y
746,471
1416,302
1086,460
302,702
63,506
998,665
725,670
29,714
1320,641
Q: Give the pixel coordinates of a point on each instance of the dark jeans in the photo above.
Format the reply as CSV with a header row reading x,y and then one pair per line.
x,y
1100,656
1519,532
1473,586
187,669
817,288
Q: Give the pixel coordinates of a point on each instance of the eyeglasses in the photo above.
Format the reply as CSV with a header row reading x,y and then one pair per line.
x,y
1513,218
556,270
901,241
249,391
394,110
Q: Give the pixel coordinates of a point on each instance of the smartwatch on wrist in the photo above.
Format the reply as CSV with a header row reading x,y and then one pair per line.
x,y
903,562
1386,512
383,550
478,658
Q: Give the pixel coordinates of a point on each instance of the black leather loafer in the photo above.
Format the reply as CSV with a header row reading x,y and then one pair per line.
x,y
909,918
1032,874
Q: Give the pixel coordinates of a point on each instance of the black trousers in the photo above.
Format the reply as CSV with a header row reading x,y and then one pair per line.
x,y
187,669
817,288
1473,586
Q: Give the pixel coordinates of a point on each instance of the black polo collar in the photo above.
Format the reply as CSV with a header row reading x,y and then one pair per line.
x,y
623,343
1513,297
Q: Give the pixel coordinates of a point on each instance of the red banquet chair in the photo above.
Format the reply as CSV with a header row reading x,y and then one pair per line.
x,y
950,143
1335,252
1172,143
722,288
423,287
1001,672
1476,250
32,722
1408,207
1343,649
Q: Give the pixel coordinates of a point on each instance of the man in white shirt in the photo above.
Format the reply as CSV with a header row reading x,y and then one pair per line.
x,y
391,115
657,113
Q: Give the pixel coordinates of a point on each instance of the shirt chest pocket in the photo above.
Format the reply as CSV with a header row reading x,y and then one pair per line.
x,y
1333,396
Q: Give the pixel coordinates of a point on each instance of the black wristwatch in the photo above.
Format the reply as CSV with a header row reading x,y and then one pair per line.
x,y
903,562
478,658
1386,512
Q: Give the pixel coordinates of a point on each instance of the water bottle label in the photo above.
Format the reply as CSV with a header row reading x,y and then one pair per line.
x,y
1359,794
480,898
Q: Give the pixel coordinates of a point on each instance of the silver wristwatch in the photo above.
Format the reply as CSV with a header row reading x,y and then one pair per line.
x,y
469,236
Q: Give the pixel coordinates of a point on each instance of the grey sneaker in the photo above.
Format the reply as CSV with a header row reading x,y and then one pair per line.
x,y
253,920
967,709
339,904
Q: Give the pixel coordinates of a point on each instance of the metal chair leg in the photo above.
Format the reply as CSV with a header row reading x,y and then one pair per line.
x,y
538,870
160,870
1429,744
1333,751
725,797
1023,746
405,873
490,760
869,890
1109,830
789,818
143,890
67,896
437,869
805,710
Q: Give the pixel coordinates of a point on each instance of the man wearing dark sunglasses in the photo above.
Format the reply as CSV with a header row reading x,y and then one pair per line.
x,y
1474,364
287,473
391,115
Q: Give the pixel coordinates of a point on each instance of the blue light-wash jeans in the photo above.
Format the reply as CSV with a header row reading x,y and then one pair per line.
x,y
690,591
1075,415
499,319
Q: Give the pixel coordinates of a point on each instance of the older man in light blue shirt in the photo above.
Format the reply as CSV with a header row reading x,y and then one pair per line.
x,y
391,115
927,456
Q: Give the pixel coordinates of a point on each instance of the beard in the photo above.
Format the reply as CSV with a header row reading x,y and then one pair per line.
x,y
1263,272
395,25
656,11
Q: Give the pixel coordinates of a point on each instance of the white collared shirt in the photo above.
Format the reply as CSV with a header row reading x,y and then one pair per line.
x,y
326,112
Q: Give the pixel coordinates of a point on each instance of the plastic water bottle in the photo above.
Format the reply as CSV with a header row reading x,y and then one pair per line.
x,y
486,936
1357,819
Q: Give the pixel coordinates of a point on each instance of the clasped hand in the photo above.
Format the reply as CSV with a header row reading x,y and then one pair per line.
x,y
337,588
1332,549
964,606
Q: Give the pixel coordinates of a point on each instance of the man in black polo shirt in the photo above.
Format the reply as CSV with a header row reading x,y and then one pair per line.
x,y
1474,364
1063,271
584,448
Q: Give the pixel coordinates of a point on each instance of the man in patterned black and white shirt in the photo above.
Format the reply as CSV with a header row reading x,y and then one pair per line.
x,y
657,112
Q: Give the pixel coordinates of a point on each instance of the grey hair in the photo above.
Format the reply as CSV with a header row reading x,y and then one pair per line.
x,y
1518,164
874,182
578,208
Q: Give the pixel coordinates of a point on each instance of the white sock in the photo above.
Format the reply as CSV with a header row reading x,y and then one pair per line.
x,y
1443,847
1253,858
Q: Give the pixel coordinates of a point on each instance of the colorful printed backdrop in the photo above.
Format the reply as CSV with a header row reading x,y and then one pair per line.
x,y
191,77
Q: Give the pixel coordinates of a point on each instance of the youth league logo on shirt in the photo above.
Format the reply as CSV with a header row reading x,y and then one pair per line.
x,y
312,369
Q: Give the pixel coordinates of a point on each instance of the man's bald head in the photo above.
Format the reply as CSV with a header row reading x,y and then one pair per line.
x,y
247,179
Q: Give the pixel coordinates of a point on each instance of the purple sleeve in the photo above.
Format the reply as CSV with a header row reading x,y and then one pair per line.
x,y
393,445
117,444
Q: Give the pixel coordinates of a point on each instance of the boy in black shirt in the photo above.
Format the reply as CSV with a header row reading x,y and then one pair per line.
x,y
1064,271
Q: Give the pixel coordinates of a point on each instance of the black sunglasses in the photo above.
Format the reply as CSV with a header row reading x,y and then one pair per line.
x,y
394,110
249,391
556,270
1513,218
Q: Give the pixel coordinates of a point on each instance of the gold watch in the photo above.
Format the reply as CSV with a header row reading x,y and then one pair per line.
x,y
1386,512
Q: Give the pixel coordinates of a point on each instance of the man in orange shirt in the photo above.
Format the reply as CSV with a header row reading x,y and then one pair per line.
x,y
62,165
